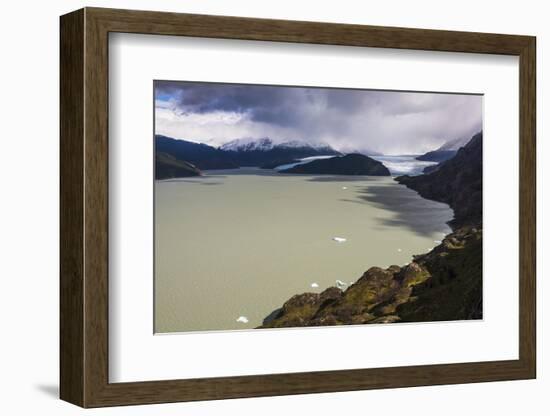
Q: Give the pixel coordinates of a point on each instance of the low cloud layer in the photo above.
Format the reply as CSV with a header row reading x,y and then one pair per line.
x,y
388,122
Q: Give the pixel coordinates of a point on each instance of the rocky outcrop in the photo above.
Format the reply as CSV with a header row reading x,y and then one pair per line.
x,y
352,164
444,284
457,182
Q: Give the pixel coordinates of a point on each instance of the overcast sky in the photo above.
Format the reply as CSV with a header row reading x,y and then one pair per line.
x,y
388,122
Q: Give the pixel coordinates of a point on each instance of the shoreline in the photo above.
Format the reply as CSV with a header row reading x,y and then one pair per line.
x,y
444,284
273,315
367,213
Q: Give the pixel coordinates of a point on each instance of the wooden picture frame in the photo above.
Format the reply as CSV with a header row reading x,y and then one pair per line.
x,y
84,207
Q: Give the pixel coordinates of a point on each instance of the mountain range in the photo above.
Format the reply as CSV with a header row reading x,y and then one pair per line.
x,y
260,152
234,154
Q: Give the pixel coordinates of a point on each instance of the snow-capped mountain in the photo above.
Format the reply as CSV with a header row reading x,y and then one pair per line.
x,y
265,144
248,144
265,152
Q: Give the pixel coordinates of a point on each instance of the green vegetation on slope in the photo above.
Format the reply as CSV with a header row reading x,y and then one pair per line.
x,y
444,284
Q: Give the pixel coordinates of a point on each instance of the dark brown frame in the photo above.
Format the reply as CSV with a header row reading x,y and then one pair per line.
x,y
84,208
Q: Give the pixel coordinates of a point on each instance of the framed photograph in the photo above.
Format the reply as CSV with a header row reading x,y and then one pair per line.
x,y
255,207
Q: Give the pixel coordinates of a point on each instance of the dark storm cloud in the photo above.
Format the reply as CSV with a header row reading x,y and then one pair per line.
x,y
267,104
386,121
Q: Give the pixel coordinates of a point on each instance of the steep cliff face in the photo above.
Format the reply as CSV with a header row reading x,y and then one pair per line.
x,y
443,284
457,182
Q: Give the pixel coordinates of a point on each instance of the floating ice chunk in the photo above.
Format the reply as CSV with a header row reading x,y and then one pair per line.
x,y
399,250
437,241
314,285
339,239
340,284
242,319
344,187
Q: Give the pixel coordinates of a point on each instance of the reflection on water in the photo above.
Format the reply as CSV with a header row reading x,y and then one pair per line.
x,y
244,246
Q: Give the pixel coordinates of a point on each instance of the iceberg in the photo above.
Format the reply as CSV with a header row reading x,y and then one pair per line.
x,y
242,319
339,239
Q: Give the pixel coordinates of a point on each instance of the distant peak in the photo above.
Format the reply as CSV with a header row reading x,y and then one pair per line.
x,y
265,144
248,144
302,143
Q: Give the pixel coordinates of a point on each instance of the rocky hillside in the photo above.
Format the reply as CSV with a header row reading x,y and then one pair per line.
x,y
443,284
353,164
457,182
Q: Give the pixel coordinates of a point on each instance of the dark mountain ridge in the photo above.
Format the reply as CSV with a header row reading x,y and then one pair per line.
x,y
266,157
167,166
457,182
201,155
261,153
352,164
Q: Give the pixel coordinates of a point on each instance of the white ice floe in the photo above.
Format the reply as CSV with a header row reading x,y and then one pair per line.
x,y
437,241
314,285
242,319
339,239
340,284
399,250
344,187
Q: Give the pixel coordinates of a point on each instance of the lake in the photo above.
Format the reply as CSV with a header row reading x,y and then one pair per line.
x,y
239,243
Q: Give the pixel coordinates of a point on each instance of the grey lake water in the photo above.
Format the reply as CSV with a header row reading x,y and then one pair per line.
x,y
232,246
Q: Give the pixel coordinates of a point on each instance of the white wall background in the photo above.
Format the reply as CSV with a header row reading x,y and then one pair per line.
x,y
29,208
